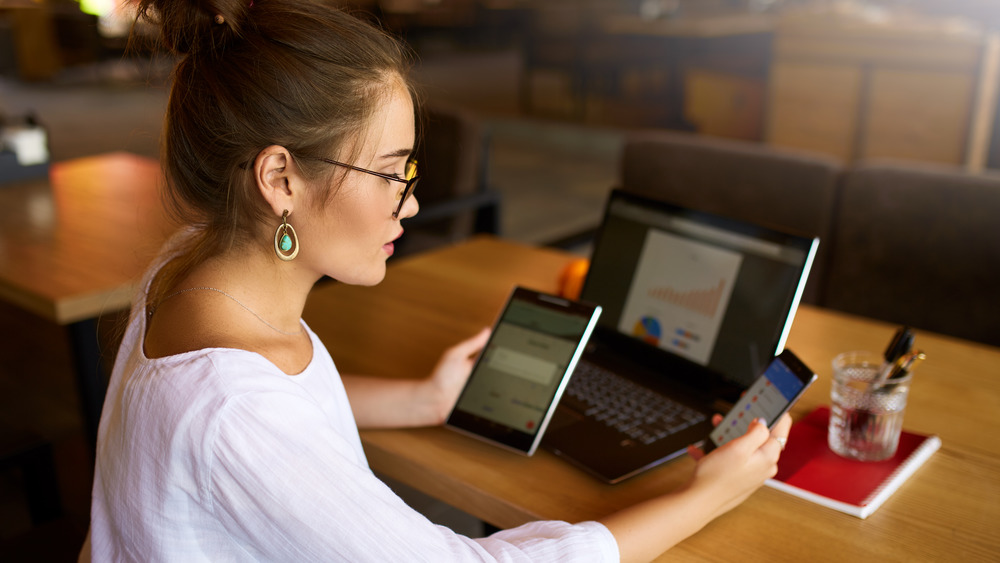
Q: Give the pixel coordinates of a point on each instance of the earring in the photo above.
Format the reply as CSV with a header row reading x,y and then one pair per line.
x,y
286,242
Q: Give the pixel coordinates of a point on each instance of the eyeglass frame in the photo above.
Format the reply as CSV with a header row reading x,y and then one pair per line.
x,y
411,183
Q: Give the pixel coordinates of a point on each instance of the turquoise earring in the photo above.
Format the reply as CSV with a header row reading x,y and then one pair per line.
x,y
286,242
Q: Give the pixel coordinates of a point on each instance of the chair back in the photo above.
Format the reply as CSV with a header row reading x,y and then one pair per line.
x,y
786,189
450,152
919,245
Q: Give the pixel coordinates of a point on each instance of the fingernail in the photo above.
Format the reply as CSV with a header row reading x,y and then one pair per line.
x,y
762,421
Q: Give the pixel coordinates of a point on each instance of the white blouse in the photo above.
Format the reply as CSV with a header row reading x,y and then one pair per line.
x,y
217,455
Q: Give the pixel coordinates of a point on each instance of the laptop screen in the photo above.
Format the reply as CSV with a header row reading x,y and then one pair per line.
x,y
716,291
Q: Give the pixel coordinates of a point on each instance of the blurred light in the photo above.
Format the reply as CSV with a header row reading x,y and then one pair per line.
x,y
97,7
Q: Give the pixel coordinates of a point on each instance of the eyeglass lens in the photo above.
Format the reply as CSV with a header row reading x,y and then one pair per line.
x,y
410,175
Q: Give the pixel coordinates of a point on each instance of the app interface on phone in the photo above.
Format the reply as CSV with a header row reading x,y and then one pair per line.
x,y
522,366
766,398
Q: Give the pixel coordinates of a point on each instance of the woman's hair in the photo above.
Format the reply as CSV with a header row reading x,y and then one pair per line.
x,y
301,74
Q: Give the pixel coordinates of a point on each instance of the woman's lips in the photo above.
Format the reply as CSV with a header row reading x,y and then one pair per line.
x,y
389,247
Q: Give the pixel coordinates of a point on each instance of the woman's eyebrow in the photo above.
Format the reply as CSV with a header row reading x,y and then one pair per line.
x,y
398,153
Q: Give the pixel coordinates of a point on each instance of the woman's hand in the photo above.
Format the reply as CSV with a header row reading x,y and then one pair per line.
x,y
385,402
696,452
452,371
732,472
721,480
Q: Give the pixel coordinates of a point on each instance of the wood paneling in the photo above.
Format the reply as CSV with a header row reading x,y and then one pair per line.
x,y
899,87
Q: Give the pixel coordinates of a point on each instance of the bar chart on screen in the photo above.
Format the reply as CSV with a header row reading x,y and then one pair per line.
x,y
704,301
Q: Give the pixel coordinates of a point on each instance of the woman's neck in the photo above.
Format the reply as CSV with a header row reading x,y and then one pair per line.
x,y
273,289
241,300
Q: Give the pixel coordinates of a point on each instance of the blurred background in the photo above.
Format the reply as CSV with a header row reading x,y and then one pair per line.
x,y
908,79
555,86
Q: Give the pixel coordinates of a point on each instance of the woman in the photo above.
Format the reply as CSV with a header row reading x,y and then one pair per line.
x,y
227,432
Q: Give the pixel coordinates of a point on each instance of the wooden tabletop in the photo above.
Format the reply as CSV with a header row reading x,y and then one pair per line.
x,y
73,246
948,510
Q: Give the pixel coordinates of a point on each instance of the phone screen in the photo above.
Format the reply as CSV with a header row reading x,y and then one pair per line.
x,y
770,396
523,369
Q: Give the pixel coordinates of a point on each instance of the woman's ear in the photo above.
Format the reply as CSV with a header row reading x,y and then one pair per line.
x,y
276,178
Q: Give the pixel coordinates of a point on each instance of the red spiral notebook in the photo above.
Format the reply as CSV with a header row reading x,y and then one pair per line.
x,y
810,470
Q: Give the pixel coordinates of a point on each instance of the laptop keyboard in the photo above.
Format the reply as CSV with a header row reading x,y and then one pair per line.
x,y
619,403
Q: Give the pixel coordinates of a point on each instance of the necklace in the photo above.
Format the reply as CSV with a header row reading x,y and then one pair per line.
x,y
238,302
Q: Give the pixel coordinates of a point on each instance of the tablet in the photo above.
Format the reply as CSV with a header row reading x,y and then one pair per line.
x,y
522,371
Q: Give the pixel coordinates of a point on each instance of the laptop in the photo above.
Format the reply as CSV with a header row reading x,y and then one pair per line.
x,y
695,307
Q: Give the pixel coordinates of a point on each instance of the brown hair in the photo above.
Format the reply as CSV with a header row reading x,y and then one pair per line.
x,y
253,73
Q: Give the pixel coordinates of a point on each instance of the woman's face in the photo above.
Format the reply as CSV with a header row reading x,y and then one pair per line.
x,y
350,237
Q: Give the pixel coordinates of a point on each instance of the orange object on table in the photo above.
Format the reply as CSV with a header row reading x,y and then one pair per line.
x,y
571,278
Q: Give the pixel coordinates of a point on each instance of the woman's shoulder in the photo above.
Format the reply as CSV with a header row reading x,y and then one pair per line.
x,y
220,372
189,394
208,373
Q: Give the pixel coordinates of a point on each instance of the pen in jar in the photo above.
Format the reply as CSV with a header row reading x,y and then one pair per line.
x,y
898,347
905,364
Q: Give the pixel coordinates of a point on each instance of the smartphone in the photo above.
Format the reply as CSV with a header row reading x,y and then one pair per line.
x,y
524,368
770,396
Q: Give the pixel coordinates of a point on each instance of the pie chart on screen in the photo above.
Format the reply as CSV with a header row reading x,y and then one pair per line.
x,y
648,329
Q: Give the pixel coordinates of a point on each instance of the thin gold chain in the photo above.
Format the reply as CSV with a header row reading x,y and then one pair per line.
x,y
238,302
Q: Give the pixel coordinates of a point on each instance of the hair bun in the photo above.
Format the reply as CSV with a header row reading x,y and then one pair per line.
x,y
196,26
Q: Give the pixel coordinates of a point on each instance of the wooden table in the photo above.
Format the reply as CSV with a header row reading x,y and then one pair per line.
x,y
72,248
948,510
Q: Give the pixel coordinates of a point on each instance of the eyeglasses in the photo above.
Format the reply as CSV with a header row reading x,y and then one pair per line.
x,y
410,178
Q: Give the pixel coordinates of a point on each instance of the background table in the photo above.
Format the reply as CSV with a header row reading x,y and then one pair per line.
x,y
72,248
948,510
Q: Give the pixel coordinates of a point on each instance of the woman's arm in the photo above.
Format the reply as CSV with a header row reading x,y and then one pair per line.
x,y
722,480
287,485
380,402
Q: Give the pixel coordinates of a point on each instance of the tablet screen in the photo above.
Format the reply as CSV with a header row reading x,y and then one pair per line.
x,y
523,369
